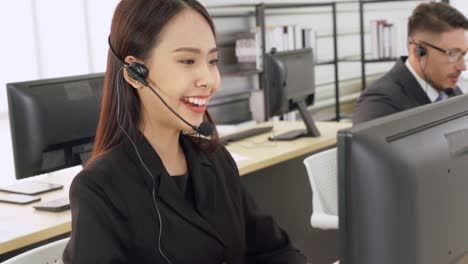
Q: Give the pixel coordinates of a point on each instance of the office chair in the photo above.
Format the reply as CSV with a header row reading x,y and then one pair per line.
x,y
322,171
47,254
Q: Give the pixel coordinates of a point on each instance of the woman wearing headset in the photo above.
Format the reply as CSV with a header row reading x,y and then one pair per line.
x,y
154,192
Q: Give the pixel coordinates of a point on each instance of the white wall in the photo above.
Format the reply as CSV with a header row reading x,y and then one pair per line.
x,y
461,5
45,39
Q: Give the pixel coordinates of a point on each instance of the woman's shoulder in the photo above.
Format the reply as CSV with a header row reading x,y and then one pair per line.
x,y
101,182
104,166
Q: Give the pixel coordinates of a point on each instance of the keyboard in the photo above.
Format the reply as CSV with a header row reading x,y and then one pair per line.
x,y
290,135
244,134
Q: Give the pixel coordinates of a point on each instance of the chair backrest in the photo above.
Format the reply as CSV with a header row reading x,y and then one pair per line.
x,y
47,254
322,171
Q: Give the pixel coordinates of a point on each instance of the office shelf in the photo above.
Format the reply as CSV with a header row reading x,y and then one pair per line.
x,y
258,12
327,62
239,69
380,60
260,20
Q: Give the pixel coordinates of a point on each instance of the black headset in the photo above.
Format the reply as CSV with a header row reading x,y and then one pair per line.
x,y
137,71
420,50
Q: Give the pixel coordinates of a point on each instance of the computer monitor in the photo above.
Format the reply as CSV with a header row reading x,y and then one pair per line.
x,y
230,109
403,187
53,122
291,86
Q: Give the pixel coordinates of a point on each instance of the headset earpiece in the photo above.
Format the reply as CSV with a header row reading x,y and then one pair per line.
x,y
420,50
138,72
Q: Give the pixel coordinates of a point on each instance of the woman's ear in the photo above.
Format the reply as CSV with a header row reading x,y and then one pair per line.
x,y
135,83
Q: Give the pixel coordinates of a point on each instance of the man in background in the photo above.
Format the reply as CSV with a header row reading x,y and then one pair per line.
x,y
438,42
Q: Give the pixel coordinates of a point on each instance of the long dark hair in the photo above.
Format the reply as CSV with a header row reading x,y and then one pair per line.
x,y
136,26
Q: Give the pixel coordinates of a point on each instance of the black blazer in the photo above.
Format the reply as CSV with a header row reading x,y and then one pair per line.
x,y
396,91
114,219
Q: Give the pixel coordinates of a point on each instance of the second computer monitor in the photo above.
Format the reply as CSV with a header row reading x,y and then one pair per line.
x,y
403,187
53,122
291,86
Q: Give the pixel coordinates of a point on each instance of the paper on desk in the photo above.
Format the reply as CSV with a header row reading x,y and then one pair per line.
x,y
238,157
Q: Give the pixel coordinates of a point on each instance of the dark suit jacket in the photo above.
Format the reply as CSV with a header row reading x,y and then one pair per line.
x,y
114,219
396,91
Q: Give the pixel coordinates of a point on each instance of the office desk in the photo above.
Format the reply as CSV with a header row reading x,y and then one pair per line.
x,y
262,153
22,225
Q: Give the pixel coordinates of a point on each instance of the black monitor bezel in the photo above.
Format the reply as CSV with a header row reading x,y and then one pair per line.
x,y
391,128
23,145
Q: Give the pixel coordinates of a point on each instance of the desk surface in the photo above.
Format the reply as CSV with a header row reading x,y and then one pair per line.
x,y
22,225
261,153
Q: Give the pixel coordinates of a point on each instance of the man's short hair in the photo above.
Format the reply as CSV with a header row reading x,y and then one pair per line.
x,y
435,17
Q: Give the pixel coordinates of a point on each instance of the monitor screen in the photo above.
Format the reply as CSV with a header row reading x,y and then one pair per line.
x,y
53,122
291,86
291,78
403,187
300,73
230,109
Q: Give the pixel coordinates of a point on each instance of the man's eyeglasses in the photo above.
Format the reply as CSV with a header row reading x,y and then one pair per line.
x,y
453,55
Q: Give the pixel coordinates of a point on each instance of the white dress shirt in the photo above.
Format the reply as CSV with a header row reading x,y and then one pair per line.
x,y
431,92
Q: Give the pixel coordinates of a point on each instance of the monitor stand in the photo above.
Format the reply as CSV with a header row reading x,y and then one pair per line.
x,y
311,130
